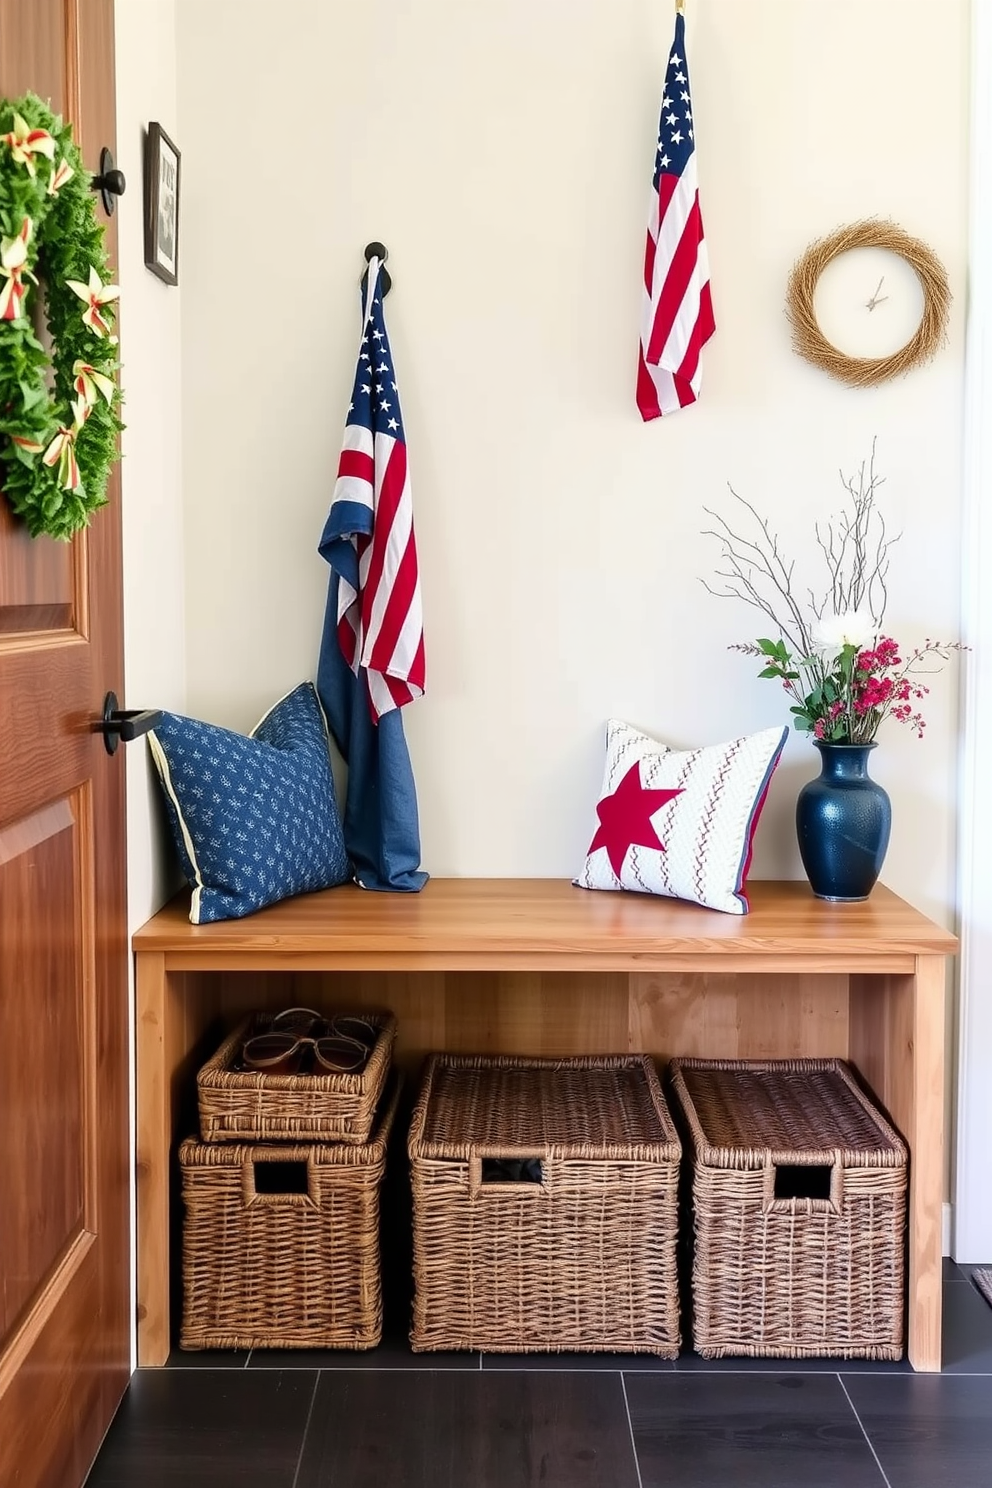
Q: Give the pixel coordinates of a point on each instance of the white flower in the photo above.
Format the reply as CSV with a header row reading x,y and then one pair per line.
x,y
853,628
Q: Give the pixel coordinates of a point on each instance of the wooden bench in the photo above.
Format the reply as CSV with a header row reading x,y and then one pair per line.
x,y
538,966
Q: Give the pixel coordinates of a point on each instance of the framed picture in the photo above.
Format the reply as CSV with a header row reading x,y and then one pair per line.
x,y
161,205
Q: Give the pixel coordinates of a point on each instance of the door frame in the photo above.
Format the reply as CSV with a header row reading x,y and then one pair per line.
x,y
972,1226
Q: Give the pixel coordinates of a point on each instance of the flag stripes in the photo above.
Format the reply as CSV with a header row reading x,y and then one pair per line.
x,y
369,538
677,314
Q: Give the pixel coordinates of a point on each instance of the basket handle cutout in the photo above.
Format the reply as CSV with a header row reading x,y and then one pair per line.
x,y
524,1176
278,1180
817,1184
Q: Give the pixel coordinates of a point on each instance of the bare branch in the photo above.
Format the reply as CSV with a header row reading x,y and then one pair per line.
x,y
762,557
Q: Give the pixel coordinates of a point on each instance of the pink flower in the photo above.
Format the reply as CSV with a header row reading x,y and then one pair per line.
x,y
874,693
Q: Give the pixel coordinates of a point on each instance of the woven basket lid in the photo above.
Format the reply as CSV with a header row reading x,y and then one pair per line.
x,y
605,1108
802,1106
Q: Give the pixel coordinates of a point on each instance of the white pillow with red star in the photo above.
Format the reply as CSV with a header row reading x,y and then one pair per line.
x,y
680,822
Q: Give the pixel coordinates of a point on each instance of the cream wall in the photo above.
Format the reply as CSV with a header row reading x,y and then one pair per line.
x,y
154,585
503,153
151,495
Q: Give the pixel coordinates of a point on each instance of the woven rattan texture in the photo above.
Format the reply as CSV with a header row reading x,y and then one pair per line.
x,y
792,1277
788,1106
582,1107
249,1106
288,1270
584,1260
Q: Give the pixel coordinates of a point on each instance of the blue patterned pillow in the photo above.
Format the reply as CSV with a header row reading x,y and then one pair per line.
x,y
254,819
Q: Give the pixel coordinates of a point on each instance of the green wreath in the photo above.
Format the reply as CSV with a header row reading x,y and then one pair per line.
x,y
58,416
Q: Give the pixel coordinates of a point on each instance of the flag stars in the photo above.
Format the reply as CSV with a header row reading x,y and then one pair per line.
x,y
377,335
680,77
685,96
675,60
672,119
392,424
677,137
666,102
664,161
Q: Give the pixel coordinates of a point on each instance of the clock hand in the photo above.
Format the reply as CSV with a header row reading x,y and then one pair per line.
x,y
876,298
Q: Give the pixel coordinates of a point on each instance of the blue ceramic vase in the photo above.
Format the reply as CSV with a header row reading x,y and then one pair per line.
x,y
843,819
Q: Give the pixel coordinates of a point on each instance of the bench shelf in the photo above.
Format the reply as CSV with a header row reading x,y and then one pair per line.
x,y
536,966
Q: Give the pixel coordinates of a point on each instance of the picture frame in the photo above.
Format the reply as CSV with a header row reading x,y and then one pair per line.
x,y
162,165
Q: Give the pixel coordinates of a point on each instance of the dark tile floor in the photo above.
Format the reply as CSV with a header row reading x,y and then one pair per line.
x,y
393,1419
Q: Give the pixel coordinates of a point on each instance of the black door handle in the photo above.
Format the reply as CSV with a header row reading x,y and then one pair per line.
x,y
125,723
110,182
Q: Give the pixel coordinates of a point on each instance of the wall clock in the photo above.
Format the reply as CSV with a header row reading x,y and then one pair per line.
x,y
900,286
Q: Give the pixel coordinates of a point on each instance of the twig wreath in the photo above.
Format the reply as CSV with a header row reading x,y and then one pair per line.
x,y
810,342
58,415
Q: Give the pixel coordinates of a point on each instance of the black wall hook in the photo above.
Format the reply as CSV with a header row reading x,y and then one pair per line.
x,y
381,252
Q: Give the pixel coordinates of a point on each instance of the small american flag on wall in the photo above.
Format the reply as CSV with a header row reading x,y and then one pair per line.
x,y
677,315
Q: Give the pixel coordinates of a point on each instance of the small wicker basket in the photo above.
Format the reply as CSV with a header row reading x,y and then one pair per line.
x,y
798,1207
582,1257
297,1269
251,1106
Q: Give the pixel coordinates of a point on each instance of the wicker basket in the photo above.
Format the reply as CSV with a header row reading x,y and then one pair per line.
x,y
287,1269
249,1106
584,1257
799,1211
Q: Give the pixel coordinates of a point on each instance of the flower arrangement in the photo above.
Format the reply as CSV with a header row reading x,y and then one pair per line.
x,y
844,675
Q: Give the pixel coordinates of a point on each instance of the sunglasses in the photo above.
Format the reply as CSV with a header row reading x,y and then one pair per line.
x,y
299,1039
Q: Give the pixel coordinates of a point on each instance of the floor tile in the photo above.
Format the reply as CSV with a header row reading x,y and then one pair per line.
x,y
967,1331
929,1431
749,1430
483,1430
199,1428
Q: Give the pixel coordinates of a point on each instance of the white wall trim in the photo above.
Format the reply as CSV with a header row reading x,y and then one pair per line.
x,y
973,1192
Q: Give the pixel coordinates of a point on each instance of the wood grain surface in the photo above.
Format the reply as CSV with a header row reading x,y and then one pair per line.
x,y
511,923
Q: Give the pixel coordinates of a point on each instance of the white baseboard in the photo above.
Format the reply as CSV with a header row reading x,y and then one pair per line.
x,y
946,1221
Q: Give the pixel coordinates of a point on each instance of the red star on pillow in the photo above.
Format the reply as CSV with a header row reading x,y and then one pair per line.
x,y
625,818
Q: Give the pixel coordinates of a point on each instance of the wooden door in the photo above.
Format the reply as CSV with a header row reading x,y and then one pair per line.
x,y
64,1252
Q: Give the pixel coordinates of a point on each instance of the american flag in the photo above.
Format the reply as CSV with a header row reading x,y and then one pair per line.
x,y
369,540
677,316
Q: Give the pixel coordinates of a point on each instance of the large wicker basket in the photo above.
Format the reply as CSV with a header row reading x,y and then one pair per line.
x,y
798,1209
285,1269
582,1257
250,1106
